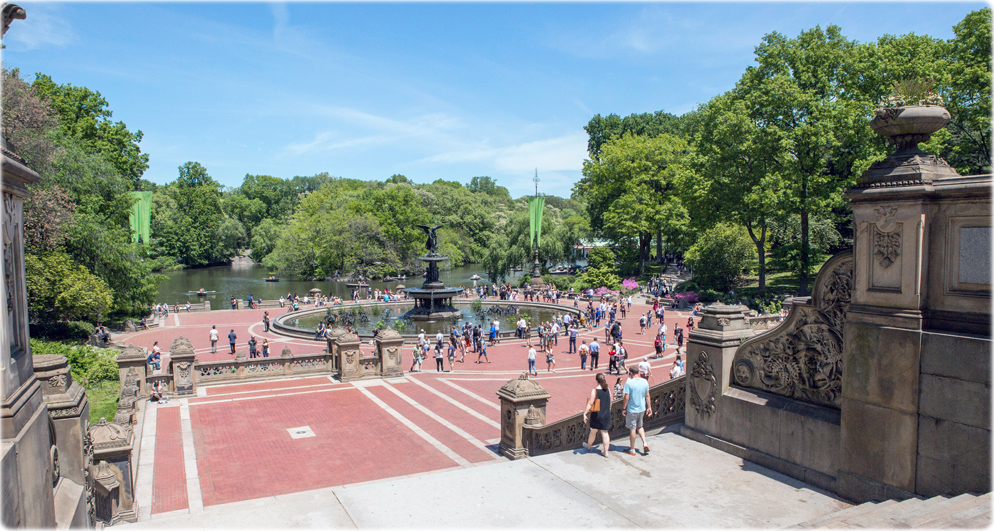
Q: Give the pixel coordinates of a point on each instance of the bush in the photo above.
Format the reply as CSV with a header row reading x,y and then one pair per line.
x,y
719,256
709,295
88,364
76,331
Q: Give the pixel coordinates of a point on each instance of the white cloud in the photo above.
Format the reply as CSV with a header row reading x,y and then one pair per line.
x,y
42,27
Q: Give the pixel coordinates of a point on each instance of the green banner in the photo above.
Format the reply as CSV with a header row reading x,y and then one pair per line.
x,y
535,207
141,217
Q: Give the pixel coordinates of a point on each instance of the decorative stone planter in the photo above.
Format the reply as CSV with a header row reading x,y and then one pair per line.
x,y
908,126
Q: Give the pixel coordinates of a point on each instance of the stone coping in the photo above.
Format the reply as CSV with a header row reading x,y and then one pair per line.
x,y
281,328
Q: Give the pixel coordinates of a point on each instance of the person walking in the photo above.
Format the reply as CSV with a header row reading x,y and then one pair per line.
x,y
637,406
531,361
251,345
595,352
439,357
265,348
584,350
645,371
417,357
231,340
265,322
599,412
550,361
214,337
483,353
573,332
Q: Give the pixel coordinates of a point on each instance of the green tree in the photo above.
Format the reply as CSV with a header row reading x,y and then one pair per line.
x,y
969,97
631,191
84,116
719,256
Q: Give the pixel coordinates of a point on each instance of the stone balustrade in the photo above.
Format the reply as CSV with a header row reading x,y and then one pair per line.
x,y
524,432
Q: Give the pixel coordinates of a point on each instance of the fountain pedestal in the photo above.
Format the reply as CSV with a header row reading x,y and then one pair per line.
x,y
433,300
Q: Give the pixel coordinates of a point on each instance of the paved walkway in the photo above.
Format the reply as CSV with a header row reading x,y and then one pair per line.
x,y
680,484
239,442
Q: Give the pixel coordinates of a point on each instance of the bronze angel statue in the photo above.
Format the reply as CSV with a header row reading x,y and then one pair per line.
x,y
432,243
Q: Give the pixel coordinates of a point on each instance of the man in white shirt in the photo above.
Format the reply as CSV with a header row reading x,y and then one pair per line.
x,y
644,369
531,361
214,338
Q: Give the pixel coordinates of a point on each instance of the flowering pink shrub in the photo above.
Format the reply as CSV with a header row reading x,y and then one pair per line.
x,y
689,296
630,283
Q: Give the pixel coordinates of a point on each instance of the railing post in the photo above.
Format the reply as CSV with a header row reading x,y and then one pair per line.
x,y
348,356
286,357
521,401
131,364
388,349
182,359
710,352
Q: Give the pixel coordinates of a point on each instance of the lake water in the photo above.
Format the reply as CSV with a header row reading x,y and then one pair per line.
x,y
242,281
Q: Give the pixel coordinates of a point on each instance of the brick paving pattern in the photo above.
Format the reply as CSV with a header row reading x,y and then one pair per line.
x,y
169,487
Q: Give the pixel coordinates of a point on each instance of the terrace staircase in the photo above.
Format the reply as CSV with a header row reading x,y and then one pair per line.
x,y
963,511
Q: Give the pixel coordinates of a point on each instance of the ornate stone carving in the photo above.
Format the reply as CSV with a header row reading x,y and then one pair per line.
x,y
183,370
886,246
87,475
350,356
803,357
885,214
702,375
11,228
215,371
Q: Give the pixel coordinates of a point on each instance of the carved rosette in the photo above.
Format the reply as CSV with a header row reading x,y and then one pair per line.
x,y
703,382
802,358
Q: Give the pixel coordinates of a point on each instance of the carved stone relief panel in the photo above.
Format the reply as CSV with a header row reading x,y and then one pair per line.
x,y
13,267
703,386
802,358
886,267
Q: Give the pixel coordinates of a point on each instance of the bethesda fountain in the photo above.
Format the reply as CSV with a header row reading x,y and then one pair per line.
x,y
432,300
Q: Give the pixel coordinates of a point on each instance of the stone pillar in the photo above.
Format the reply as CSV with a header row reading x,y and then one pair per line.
x,y
710,351
286,357
182,361
131,365
389,345
883,330
113,484
69,412
521,401
207,306
347,346
27,498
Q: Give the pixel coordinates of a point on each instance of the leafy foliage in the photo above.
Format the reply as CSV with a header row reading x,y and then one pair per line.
x,y
719,256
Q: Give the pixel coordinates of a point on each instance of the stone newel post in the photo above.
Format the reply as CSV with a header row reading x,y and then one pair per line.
x,y
131,365
113,484
521,401
388,349
710,352
347,356
182,359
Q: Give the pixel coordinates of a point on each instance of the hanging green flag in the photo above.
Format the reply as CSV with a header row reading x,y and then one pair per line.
x,y
535,207
141,217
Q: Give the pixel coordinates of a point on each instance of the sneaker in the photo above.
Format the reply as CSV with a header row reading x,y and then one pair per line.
x,y
586,446
631,451
645,450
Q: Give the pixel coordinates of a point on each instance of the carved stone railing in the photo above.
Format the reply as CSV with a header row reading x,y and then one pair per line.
x,y
242,368
802,358
668,404
763,321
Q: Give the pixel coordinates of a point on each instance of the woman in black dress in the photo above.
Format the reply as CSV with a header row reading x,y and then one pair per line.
x,y
600,421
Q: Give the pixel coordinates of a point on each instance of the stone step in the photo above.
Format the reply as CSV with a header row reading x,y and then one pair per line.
x,y
850,512
943,512
924,507
880,515
978,509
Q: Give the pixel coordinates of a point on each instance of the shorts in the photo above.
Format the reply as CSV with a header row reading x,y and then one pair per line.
x,y
633,421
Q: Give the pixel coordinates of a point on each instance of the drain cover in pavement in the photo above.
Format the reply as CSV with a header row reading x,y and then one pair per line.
x,y
301,432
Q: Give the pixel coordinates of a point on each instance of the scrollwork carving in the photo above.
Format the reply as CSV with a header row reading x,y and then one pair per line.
x,y
802,358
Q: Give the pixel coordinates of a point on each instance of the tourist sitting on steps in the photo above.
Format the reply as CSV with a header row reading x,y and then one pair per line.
x,y
156,394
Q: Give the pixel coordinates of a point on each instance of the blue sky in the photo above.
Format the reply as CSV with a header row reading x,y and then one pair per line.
x,y
428,90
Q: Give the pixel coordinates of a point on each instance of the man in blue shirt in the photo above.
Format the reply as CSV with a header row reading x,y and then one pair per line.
x,y
637,405
231,340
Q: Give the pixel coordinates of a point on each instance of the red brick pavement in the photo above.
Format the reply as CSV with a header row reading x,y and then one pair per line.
x,y
457,443
169,486
245,452
466,421
243,448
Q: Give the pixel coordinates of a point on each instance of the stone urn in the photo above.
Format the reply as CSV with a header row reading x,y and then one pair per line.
x,y
907,126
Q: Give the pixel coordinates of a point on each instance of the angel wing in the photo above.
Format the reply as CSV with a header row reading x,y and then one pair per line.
x,y
425,228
